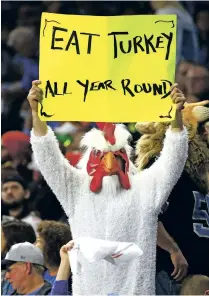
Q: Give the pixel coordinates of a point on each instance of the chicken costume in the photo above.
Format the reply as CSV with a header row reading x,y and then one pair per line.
x,y
106,201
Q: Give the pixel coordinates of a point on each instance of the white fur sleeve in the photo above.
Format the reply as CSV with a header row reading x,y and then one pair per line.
x,y
163,175
55,168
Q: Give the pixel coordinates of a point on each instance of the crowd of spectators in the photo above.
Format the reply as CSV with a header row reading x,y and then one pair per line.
x,y
30,211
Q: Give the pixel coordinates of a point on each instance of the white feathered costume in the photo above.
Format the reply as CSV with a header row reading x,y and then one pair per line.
x,y
113,213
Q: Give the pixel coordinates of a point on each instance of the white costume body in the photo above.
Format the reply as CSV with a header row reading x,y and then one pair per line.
x,y
129,216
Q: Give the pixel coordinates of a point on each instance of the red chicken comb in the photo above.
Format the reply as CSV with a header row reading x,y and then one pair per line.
x,y
108,129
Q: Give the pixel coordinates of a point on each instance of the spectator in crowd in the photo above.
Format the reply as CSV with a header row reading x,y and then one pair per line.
x,y
187,39
181,74
13,232
24,43
15,142
191,233
60,286
15,195
202,21
195,285
197,83
51,237
24,270
183,230
16,147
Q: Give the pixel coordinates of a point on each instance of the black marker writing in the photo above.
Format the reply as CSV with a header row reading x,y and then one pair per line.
x,y
167,116
147,44
169,38
115,41
53,90
165,84
54,39
44,113
46,22
89,40
73,41
95,86
154,88
69,41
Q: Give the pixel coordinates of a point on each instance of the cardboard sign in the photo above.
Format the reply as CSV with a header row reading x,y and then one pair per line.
x,y
107,69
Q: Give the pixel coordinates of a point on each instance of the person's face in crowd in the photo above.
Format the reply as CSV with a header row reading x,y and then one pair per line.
x,y
40,243
181,74
3,242
23,42
25,48
13,194
203,21
16,275
197,80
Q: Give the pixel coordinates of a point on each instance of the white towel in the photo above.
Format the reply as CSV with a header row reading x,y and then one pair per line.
x,y
96,249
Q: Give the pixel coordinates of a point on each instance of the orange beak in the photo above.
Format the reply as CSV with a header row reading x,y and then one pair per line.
x,y
109,163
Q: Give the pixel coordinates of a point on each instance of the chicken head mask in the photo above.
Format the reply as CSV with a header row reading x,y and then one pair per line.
x,y
107,154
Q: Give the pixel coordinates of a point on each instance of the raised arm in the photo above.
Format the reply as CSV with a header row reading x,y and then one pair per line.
x,y
60,286
56,170
163,175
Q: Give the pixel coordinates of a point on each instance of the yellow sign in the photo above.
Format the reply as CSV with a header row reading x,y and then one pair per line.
x,y
107,69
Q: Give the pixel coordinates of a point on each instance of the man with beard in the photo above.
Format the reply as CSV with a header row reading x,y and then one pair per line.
x,y
14,197
107,199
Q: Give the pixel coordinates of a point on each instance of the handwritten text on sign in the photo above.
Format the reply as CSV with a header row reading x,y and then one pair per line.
x,y
111,69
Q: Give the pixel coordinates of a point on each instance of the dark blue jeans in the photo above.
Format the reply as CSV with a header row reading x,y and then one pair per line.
x,y
165,285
